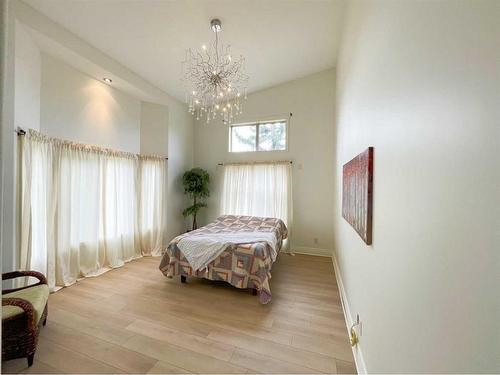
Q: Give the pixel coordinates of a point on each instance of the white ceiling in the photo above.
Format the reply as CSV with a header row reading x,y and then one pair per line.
x,y
281,39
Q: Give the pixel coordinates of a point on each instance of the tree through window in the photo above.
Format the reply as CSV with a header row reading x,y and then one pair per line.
x,y
259,136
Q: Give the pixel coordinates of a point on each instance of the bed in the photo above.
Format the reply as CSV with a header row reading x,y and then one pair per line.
x,y
243,265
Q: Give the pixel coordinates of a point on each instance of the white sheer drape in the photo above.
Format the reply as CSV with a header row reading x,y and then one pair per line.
x,y
260,189
85,210
152,213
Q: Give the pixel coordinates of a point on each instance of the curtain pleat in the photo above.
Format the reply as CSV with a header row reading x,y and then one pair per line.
x,y
85,210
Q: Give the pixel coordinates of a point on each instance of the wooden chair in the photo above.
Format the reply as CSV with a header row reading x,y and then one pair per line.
x,y
24,310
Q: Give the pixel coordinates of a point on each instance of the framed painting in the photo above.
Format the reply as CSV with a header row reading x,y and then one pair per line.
x,y
357,194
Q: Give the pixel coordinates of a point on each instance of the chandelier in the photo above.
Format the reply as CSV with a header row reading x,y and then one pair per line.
x,y
215,81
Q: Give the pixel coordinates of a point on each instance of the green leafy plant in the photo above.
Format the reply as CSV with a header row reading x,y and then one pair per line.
x,y
195,184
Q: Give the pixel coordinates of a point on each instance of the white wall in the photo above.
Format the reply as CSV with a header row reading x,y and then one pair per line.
x,y
168,131
7,138
20,108
180,159
310,99
79,108
27,81
154,129
420,82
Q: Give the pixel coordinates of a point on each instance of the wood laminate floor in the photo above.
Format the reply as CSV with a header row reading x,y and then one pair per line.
x,y
134,320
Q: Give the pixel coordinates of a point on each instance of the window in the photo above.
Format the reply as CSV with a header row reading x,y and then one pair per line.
x,y
258,136
96,210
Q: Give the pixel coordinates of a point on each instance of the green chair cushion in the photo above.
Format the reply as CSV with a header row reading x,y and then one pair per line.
x,y
36,295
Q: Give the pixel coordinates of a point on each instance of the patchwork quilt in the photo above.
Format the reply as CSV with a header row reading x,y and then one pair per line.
x,y
243,266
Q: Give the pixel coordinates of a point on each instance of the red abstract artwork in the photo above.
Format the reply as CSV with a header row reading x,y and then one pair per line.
x,y
357,194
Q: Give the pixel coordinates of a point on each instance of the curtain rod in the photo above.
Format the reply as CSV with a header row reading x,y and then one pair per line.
x,y
259,162
20,132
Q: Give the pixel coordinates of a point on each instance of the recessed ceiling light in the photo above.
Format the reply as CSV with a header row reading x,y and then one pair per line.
x,y
107,80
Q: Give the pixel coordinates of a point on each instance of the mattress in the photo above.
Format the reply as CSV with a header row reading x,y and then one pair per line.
x,y
243,266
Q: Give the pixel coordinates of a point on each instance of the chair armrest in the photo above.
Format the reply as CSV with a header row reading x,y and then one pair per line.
x,y
23,304
16,274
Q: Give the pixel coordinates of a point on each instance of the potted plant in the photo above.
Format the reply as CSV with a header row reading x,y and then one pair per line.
x,y
195,184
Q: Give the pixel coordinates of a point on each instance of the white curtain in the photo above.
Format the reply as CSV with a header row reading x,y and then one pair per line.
x,y
258,189
85,210
152,210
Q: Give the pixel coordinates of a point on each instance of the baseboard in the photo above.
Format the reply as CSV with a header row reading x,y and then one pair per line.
x,y
311,251
356,351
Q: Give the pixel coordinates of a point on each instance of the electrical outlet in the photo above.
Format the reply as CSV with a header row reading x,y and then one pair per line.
x,y
316,241
355,331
